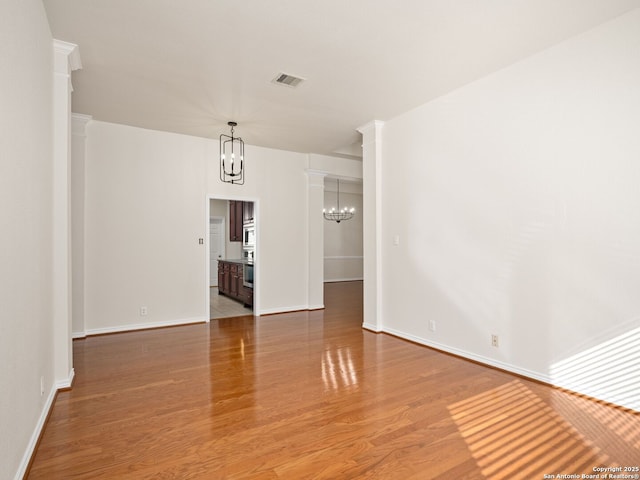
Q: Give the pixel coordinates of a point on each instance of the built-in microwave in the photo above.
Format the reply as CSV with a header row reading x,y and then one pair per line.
x,y
249,236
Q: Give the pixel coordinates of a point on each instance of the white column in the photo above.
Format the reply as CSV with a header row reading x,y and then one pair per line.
x,y
315,181
65,59
372,224
78,154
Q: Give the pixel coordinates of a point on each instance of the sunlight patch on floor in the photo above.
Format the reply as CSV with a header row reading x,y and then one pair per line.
x,y
512,433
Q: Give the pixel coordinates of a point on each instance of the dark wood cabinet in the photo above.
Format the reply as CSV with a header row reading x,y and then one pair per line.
x,y
221,277
239,214
235,220
248,296
231,282
234,291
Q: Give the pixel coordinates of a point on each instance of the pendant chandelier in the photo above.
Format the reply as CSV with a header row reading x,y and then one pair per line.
x,y
231,158
337,214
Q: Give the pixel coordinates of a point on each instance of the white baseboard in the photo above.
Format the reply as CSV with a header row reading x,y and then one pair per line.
x,y
33,441
371,327
471,356
300,308
145,326
271,311
76,335
66,382
508,367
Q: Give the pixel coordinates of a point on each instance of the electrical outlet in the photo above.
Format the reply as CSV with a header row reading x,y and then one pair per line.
x,y
143,311
494,341
432,325
41,386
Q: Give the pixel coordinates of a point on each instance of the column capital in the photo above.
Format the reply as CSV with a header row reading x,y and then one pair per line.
x,y
318,173
373,126
79,124
70,53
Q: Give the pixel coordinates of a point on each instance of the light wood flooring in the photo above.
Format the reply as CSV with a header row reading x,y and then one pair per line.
x,y
311,395
221,306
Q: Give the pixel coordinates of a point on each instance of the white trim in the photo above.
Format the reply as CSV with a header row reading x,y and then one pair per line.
x,y
33,441
470,356
320,173
373,124
207,259
344,257
79,123
372,222
65,59
314,236
271,311
76,335
316,307
343,279
71,51
498,364
223,223
67,382
144,326
371,327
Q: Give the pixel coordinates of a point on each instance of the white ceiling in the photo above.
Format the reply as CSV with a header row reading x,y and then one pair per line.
x,y
190,66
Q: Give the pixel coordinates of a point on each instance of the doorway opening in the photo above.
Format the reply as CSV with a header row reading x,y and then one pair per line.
x,y
231,257
343,241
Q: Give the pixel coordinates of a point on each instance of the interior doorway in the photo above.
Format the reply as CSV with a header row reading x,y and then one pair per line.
x,y
231,257
343,240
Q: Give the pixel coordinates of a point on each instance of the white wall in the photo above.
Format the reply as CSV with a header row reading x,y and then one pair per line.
x,y
146,198
26,336
145,212
343,241
516,201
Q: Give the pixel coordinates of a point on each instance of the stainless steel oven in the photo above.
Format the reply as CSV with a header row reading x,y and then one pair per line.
x,y
247,270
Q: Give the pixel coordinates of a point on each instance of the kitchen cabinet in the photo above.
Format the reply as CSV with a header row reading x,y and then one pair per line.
x,y
223,277
248,296
231,282
235,220
234,288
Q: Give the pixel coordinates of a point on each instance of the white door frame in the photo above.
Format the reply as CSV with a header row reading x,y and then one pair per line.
x,y
256,262
223,242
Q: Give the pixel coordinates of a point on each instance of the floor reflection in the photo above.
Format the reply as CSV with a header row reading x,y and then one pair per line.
x,y
232,367
338,371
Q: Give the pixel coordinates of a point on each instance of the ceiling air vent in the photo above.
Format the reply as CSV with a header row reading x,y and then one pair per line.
x,y
288,80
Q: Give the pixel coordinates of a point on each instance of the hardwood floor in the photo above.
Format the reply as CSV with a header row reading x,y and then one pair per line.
x,y
312,395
